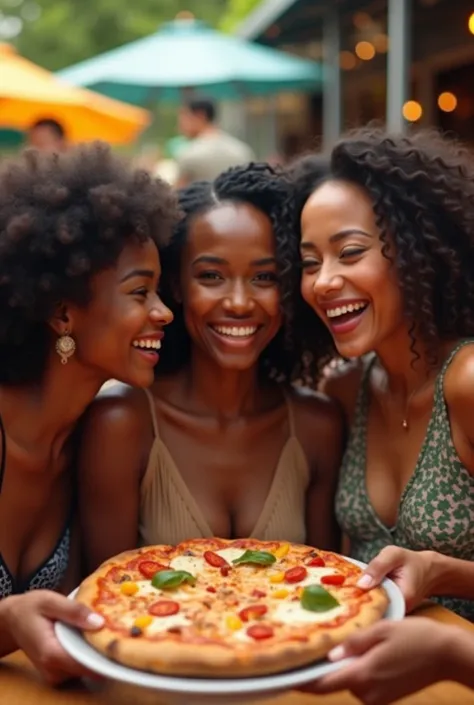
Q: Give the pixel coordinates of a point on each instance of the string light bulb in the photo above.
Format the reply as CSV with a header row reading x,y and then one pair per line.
x,y
412,111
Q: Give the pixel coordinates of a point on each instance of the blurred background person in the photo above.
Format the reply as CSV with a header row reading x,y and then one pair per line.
x,y
211,150
47,135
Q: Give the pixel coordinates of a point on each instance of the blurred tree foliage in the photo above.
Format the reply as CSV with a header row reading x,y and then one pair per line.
x,y
236,11
58,33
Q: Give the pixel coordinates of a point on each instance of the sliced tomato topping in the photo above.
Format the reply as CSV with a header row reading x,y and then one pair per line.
x,y
336,579
224,570
260,631
163,608
252,612
316,562
211,589
149,568
258,593
215,560
296,575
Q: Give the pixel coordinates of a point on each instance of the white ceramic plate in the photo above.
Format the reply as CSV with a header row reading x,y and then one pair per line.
x,y
196,691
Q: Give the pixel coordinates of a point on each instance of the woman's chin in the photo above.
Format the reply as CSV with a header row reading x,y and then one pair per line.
x,y
352,351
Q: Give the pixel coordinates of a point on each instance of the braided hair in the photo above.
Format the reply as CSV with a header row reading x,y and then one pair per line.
x,y
422,190
268,190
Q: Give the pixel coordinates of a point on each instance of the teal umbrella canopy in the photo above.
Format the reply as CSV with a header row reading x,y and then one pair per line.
x,y
11,138
187,54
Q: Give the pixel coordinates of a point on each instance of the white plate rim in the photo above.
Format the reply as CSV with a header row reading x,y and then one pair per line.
x,y
75,645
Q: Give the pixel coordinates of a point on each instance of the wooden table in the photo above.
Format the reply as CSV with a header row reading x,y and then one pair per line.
x,y
20,685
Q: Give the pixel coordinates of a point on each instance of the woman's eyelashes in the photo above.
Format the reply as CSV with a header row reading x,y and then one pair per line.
x,y
143,292
210,277
348,253
308,264
265,278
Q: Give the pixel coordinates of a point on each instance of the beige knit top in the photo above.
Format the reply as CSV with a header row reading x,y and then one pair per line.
x,y
169,513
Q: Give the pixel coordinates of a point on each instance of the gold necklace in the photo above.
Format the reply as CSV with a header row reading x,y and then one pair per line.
x,y
405,425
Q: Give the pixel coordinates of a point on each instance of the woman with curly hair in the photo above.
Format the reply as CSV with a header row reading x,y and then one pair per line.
x,y
387,256
79,270
221,445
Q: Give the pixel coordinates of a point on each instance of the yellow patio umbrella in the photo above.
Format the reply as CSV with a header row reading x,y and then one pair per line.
x,y
29,93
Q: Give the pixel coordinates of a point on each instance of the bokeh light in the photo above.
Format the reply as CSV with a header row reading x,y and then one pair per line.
x,y
412,111
447,102
347,60
365,51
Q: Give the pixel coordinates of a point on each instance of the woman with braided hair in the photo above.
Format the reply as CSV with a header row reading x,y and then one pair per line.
x,y
387,257
222,445
79,270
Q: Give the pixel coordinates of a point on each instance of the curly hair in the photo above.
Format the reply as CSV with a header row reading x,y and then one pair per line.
x,y
422,190
267,189
63,219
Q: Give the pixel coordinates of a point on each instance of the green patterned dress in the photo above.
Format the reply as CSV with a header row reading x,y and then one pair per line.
x,y
436,510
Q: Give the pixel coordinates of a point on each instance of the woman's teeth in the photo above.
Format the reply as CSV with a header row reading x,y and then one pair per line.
x,y
151,344
236,332
341,310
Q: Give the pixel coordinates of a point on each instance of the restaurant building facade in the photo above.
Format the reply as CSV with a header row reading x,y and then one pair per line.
x,y
397,62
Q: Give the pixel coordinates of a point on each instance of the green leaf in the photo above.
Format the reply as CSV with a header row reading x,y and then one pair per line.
x,y
168,579
258,557
316,599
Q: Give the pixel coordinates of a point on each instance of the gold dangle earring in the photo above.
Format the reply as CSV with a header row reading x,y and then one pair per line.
x,y
65,346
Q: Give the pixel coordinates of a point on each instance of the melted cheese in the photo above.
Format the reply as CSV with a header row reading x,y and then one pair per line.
x,y
146,588
161,624
241,635
193,564
314,576
179,594
230,554
292,613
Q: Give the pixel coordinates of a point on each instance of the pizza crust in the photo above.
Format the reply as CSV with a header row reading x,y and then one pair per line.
x,y
168,655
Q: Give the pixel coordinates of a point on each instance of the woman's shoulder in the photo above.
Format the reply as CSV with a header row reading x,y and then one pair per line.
x,y
459,388
118,408
116,433
318,422
458,393
459,377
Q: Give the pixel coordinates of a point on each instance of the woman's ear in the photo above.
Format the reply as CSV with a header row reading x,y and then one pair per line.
x,y
61,320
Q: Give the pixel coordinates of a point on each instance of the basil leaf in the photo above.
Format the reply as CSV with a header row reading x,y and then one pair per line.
x,y
259,557
316,599
167,579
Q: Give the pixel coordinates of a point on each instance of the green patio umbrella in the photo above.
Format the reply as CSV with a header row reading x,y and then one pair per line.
x,y
187,54
10,138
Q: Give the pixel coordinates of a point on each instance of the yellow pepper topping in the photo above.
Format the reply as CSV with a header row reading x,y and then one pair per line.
x,y
233,622
143,621
280,594
282,550
277,578
128,588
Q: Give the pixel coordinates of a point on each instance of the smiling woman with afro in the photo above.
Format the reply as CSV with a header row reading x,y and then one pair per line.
x,y
79,275
63,219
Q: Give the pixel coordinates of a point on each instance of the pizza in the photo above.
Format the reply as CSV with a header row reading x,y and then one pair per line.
x,y
219,608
